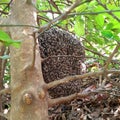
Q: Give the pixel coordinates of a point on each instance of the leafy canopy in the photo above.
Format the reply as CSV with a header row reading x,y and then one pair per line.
x,y
95,21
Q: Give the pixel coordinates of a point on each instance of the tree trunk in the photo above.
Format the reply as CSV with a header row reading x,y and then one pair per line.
x,y
28,96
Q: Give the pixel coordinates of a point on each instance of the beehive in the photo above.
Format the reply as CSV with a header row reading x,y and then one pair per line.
x,y
63,55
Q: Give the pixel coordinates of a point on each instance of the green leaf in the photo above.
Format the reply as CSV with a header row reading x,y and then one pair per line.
x,y
4,38
4,1
107,33
109,26
116,37
92,3
79,27
98,8
81,8
17,43
99,40
4,35
99,19
116,25
5,57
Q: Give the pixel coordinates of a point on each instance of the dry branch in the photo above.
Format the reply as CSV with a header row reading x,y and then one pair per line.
x,y
52,102
69,98
111,56
62,16
94,52
55,6
92,13
79,77
115,61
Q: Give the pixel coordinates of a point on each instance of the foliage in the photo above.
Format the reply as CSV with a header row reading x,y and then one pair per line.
x,y
5,38
4,7
96,22
4,1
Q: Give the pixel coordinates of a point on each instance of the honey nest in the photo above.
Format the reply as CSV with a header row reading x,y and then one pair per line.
x,y
63,55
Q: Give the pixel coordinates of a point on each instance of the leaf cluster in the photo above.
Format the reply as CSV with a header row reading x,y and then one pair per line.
x,y
5,38
95,22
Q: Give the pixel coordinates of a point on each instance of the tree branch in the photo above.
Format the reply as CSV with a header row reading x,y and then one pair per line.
x,y
111,56
62,16
95,52
78,77
92,13
115,61
46,11
52,102
55,6
110,13
3,11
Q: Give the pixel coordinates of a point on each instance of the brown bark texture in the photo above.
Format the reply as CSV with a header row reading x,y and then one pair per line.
x,y
28,98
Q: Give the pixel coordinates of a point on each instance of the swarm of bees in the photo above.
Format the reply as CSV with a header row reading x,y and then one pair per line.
x,y
63,55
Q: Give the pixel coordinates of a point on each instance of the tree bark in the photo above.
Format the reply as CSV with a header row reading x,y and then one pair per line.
x,y
28,102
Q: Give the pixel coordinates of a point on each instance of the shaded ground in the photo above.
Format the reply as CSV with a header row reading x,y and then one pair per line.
x,y
104,104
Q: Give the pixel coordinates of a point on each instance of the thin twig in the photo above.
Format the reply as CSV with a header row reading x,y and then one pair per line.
x,y
95,52
78,77
43,18
110,13
62,16
60,100
115,61
6,7
92,13
46,11
51,9
111,56
82,13
52,102
55,6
